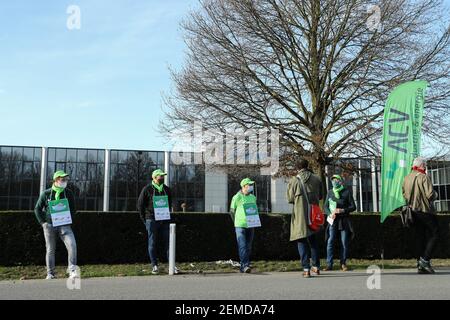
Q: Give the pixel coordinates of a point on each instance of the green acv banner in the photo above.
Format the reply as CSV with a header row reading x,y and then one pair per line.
x,y
402,133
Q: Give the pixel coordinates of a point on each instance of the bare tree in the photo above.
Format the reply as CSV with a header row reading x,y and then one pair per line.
x,y
318,71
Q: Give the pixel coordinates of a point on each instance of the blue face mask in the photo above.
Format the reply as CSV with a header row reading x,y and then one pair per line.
x,y
250,189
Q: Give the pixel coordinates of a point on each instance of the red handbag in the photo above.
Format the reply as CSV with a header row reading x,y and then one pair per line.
x,y
316,218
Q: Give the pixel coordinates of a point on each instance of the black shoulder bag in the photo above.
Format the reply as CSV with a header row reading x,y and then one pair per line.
x,y
407,212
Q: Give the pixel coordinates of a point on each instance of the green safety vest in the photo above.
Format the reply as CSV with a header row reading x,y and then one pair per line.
x,y
238,202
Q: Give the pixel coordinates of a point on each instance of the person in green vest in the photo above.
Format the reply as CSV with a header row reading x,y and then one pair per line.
x,y
242,203
54,211
155,207
338,206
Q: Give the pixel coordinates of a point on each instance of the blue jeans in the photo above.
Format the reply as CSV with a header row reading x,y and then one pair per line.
x,y
333,231
308,249
65,233
154,228
244,238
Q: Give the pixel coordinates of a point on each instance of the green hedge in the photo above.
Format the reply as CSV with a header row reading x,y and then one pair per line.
x,y
110,238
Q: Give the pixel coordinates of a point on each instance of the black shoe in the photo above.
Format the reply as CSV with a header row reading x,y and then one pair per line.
x,y
425,267
421,271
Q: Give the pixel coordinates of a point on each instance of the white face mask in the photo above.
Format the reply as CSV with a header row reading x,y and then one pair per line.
x,y
250,189
62,184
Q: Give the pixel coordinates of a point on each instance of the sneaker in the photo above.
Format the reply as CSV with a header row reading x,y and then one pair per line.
x,y
247,270
306,274
344,268
176,271
425,267
316,271
73,274
155,270
50,277
328,268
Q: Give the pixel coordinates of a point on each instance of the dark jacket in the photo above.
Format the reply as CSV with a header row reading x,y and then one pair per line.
x,y
41,209
346,202
145,201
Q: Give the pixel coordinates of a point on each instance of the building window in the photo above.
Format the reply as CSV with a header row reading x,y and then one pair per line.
x,y
130,173
187,182
86,168
357,175
20,171
439,172
262,186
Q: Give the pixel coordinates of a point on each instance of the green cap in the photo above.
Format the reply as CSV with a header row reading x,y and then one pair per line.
x,y
246,181
336,176
158,172
60,174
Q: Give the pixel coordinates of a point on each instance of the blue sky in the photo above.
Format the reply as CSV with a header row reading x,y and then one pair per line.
x,y
97,87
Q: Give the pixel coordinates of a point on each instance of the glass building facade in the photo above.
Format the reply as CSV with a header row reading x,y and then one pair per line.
x,y
25,171
362,176
86,168
440,176
20,175
187,182
262,189
130,171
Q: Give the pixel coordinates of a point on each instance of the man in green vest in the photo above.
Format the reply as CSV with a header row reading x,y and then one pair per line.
x,y
155,207
243,212
54,211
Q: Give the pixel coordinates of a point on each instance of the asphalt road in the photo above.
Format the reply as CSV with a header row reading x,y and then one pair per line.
x,y
395,284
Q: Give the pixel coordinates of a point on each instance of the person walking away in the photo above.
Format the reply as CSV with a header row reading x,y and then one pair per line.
x,y
298,186
419,195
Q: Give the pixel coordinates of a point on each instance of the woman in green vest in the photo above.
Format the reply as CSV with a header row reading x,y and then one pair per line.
x,y
244,213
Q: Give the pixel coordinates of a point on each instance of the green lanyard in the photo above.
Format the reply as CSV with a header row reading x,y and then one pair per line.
x,y
154,191
51,193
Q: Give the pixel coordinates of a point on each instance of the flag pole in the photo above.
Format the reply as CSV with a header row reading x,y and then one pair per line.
x,y
382,247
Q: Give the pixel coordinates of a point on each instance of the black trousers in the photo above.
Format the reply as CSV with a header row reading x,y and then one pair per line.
x,y
427,234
